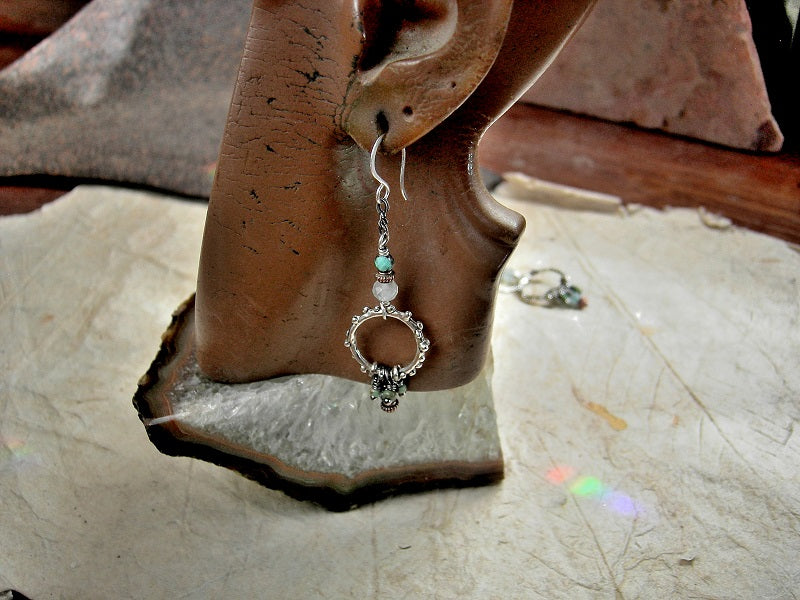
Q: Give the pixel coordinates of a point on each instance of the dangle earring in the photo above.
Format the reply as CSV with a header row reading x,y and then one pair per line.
x,y
389,383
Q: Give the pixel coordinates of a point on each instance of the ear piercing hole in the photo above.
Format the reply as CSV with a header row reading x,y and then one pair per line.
x,y
382,122
408,111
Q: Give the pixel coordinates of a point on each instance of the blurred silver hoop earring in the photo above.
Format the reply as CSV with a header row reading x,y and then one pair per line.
x,y
525,284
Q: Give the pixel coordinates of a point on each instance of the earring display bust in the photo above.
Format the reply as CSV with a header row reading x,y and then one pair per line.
x,y
290,237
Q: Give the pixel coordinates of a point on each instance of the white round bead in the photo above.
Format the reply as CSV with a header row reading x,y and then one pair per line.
x,y
384,292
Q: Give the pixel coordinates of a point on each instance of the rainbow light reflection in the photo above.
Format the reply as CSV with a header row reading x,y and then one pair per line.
x,y
583,486
15,453
210,170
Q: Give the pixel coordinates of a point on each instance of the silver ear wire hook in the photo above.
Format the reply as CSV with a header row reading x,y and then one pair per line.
x,y
403,174
383,184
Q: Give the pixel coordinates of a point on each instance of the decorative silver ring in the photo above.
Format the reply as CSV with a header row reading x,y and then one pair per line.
x,y
549,297
384,311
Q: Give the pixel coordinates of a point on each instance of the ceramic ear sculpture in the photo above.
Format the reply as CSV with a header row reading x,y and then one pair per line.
x,y
291,216
337,104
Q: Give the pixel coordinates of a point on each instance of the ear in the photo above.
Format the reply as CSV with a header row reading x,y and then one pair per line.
x,y
420,60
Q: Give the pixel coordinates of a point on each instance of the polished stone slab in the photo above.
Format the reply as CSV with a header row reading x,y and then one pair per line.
x,y
688,67
144,102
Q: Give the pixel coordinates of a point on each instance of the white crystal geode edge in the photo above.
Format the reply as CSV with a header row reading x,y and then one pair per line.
x,y
325,424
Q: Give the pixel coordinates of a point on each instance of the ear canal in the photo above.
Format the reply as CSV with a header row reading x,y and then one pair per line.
x,y
420,61
394,28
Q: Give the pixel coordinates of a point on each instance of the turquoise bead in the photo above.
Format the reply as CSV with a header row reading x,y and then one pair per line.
x,y
384,264
571,296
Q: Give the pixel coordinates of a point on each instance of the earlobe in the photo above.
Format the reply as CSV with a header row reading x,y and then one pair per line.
x,y
420,61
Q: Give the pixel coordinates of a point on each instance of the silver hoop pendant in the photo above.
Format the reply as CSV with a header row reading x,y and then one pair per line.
x,y
388,383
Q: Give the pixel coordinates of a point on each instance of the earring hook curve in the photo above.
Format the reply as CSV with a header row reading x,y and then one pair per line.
x,y
374,171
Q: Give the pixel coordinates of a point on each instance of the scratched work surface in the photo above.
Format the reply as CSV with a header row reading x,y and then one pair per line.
x,y
649,439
